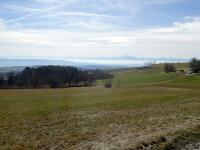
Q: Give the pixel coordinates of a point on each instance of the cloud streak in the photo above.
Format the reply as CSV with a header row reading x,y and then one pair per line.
x,y
98,28
180,36
38,11
2,24
81,12
48,1
161,1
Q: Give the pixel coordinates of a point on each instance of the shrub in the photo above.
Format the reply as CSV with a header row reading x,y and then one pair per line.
x,y
108,83
169,68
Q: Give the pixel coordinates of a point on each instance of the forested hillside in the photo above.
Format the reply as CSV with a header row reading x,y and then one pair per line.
x,y
51,76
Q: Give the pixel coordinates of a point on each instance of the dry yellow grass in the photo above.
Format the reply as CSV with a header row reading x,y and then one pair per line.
x,y
98,118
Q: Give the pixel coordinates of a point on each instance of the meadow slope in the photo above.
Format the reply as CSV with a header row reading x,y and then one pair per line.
x,y
146,109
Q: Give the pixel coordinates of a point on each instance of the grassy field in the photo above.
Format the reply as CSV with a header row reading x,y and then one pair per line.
x,y
144,109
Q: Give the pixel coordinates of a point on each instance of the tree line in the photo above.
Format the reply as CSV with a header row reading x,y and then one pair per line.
x,y
52,76
194,66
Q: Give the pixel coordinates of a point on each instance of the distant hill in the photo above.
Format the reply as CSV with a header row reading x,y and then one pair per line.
x,y
127,57
36,62
17,65
7,65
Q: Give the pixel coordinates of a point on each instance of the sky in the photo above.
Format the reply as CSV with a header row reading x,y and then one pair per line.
x,y
99,28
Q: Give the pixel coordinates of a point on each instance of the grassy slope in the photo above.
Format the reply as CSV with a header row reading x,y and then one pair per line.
x,y
134,78
134,115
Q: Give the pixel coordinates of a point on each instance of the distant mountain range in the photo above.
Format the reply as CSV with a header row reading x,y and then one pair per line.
x,y
83,62
127,57
36,62
15,65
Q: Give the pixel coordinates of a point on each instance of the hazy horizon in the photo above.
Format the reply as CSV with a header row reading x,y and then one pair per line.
x,y
124,61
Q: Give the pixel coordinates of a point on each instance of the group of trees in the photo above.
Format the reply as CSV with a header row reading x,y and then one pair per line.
x,y
168,67
195,65
52,76
62,76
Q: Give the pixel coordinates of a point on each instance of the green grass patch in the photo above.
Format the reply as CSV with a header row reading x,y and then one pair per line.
x,y
148,107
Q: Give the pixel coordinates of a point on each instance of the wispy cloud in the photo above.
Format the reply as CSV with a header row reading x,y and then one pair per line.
x,y
36,11
98,27
161,1
2,24
48,1
89,25
180,36
22,8
82,13
61,16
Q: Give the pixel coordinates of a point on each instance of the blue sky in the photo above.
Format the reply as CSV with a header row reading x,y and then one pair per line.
x,y
91,28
